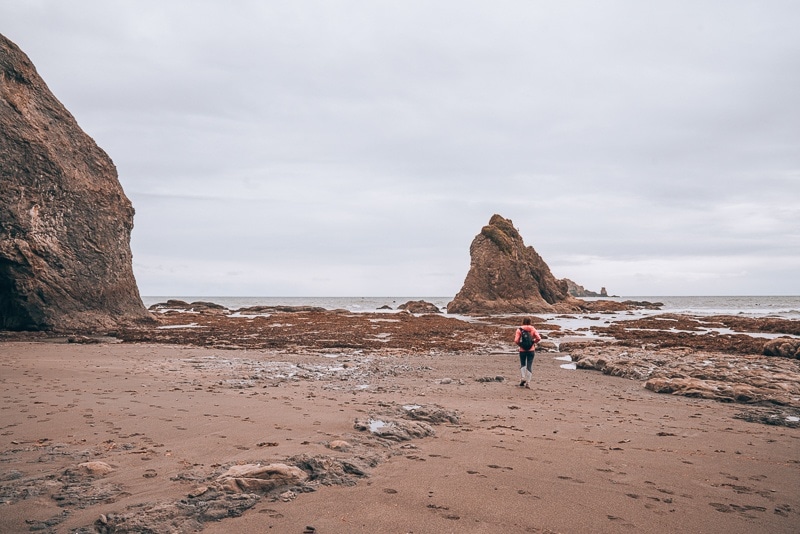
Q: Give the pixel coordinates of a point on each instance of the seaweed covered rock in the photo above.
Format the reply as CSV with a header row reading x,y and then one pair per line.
x,y
786,347
505,276
419,306
65,222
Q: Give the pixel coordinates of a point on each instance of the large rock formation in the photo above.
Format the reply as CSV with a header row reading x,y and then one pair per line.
x,y
65,223
577,290
505,276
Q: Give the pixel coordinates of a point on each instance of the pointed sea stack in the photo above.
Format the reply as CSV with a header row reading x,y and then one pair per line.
x,y
65,223
505,276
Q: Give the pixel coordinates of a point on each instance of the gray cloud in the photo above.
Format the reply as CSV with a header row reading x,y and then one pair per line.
x,y
357,148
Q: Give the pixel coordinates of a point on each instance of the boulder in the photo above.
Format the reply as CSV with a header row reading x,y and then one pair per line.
x,y
339,445
65,222
419,306
786,347
250,478
95,468
200,307
395,430
505,276
711,389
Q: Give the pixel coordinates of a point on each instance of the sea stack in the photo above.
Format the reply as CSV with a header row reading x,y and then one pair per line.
x,y
65,222
505,276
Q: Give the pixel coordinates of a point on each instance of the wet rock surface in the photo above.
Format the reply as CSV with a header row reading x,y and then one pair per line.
x,y
785,347
419,306
303,328
718,333
749,379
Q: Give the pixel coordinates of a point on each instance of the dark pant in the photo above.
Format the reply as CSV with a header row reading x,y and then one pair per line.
x,y
526,358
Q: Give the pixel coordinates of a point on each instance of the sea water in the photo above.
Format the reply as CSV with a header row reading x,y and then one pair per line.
x,y
787,307
750,306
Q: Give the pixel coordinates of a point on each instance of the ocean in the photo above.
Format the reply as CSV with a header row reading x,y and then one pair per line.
x,y
787,307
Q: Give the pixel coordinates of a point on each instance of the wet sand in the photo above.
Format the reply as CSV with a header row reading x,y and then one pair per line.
x,y
579,452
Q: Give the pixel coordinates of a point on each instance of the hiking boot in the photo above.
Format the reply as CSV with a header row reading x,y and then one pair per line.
x,y
521,383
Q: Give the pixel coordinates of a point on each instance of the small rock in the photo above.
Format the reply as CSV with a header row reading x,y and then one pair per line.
x,y
95,468
339,445
198,491
251,477
85,340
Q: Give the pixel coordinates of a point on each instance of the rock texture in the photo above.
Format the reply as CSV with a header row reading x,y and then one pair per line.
x,y
577,290
326,330
65,223
252,478
505,276
748,379
786,347
419,306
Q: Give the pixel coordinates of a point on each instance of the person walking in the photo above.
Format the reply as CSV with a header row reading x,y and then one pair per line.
x,y
526,338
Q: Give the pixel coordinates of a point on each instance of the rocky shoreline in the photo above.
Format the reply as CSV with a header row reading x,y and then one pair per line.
x,y
348,395
671,353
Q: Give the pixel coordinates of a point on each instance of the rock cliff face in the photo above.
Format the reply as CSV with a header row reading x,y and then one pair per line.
x,y
505,276
65,223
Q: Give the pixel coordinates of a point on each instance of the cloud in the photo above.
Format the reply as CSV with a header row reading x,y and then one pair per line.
x,y
317,148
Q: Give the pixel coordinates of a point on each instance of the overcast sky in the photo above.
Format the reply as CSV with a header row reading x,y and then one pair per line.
x,y
341,148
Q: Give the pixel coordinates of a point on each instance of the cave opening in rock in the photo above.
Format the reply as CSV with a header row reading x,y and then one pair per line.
x,y
13,316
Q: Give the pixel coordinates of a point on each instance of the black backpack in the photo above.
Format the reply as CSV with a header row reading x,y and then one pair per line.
x,y
525,339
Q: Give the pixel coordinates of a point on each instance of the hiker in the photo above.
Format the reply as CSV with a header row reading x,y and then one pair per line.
x,y
526,339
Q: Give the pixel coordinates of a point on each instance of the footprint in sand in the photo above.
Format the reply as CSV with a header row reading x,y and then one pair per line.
x,y
577,481
274,514
624,524
783,510
743,510
494,466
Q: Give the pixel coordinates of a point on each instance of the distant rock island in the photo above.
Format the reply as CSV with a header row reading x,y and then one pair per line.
x,y
505,276
65,222
579,291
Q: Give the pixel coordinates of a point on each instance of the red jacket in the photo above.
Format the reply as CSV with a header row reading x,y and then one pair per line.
x,y
536,337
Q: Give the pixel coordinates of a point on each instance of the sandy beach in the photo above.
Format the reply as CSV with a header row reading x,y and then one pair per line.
x,y
126,437
298,167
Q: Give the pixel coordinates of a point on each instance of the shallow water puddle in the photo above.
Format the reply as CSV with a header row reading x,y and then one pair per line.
x,y
571,365
376,424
